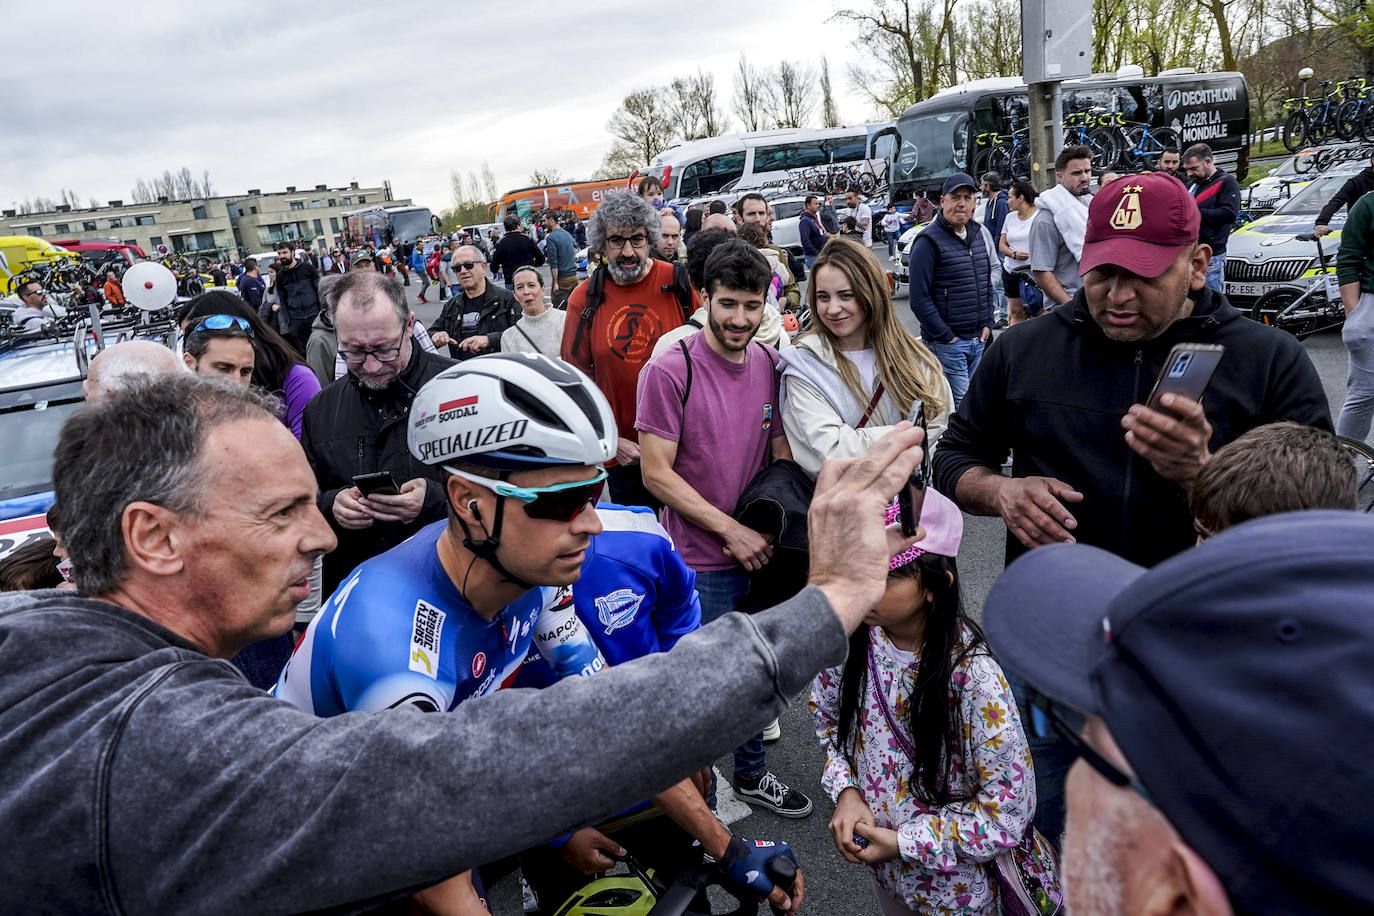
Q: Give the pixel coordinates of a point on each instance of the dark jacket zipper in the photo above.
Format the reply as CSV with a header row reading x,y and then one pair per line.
x,y
1130,459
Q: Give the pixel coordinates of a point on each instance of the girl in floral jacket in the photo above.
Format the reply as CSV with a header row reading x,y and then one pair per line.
x,y
925,757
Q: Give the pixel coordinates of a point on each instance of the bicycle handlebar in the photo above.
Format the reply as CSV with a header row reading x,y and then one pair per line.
x,y
696,879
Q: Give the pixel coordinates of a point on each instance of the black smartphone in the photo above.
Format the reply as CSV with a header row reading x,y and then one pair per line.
x,y
381,482
912,497
1187,370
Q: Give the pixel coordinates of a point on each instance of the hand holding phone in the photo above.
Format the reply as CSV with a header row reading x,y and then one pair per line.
x,y
911,498
380,482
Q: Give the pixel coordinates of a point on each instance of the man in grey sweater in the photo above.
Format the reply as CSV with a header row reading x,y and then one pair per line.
x,y
143,774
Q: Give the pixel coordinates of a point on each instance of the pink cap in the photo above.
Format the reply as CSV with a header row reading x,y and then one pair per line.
x,y
1141,223
943,524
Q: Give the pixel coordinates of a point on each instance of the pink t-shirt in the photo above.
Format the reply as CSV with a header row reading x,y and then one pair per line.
x,y
722,435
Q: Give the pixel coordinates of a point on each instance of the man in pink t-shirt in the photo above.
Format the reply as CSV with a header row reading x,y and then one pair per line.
x,y
708,420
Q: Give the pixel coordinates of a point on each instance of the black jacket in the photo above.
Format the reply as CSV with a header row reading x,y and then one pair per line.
x,y
298,288
350,430
516,249
1051,393
1218,209
496,310
1359,184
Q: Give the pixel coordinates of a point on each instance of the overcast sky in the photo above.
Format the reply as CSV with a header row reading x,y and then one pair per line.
x,y
269,95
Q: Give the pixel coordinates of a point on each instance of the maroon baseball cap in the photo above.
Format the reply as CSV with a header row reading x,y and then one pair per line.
x,y
1141,223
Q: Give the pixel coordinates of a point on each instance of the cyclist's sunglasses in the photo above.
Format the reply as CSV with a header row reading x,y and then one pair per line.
x,y
223,323
559,502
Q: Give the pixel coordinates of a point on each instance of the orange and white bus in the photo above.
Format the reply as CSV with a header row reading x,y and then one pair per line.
x,y
581,197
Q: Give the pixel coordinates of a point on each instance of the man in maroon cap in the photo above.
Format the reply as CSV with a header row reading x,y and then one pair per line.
x,y
1065,397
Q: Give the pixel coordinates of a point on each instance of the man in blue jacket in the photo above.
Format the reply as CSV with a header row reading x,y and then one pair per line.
x,y
1218,201
813,234
951,284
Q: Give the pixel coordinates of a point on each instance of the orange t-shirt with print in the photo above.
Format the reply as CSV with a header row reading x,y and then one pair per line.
x,y
628,323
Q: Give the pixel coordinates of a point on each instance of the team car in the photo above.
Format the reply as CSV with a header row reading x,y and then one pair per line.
x,y
1267,253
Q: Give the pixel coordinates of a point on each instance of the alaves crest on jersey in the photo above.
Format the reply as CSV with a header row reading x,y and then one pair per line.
x,y
425,630
618,609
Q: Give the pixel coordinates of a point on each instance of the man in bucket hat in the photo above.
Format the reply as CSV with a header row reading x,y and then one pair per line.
x,y
1220,710
1066,396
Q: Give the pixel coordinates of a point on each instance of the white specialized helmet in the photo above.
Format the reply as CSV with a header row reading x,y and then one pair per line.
x,y
512,411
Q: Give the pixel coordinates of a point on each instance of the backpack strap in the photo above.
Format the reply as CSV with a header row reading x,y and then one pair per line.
x,y
682,288
596,294
687,386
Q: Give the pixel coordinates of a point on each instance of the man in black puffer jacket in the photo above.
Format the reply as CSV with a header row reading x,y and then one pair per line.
x,y
515,250
951,284
357,425
1064,395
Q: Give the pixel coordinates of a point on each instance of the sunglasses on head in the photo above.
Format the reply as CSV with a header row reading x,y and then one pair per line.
x,y
223,323
559,502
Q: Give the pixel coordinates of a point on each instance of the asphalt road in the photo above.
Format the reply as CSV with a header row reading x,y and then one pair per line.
x,y
833,886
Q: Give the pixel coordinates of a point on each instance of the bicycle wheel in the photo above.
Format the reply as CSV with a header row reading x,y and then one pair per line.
x,y
1268,306
1367,121
1161,138
1103,144
194,286
1363,457
203,263
1348,119
1295,131
999,161
867,184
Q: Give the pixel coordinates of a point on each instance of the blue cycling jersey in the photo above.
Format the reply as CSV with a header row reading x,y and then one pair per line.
x,y
635,595
398,633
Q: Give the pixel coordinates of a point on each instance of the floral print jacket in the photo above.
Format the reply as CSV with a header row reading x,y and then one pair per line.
x,y
946,864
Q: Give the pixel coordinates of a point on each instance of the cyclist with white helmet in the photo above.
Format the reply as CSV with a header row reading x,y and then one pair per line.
x,y
451,613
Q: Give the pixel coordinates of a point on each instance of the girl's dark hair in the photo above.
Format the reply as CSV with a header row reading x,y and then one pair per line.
x,y
273,356
693,220
935,730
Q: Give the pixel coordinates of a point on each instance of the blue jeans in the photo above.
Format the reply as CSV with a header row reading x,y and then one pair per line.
x,y
892,246
719,591
808,260
960,360
1216,272
1052,756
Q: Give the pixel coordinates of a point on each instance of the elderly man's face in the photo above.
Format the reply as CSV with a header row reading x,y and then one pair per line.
x,y
1117,847
471,267
957,207
627,253
249,556
671,235
1129,307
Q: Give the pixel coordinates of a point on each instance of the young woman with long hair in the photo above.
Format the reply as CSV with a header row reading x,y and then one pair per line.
x,y
858,371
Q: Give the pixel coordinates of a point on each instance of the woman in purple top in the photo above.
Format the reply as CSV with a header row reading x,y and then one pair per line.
x,y
277,368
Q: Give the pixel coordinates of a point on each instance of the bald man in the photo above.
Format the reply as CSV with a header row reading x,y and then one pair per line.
x,y
114,367
719,221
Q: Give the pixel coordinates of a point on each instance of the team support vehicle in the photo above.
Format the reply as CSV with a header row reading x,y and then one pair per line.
x,y
776,159
952,130
381,226
581,197
1270,252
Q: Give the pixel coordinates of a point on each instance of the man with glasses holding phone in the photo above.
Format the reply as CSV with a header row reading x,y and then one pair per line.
x,y
617,315
473,320
357,424
1218,708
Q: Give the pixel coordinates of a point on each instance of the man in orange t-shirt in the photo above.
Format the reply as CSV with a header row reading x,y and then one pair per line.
x,y
640,300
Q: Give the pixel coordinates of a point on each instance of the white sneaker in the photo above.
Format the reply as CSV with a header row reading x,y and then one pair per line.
x,y
772,732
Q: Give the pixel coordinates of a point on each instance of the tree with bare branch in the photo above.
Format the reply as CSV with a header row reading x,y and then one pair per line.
x,y
752,101
796,84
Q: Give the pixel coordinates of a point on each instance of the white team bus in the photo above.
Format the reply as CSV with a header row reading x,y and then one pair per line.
x,y
765,158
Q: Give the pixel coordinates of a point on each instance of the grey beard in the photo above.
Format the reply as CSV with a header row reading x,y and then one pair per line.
x,y
625,277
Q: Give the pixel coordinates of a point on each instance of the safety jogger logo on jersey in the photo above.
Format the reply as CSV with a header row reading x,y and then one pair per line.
x,y
618,609
425,631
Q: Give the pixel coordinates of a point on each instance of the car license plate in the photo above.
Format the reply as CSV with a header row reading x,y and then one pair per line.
x,y
1245,289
